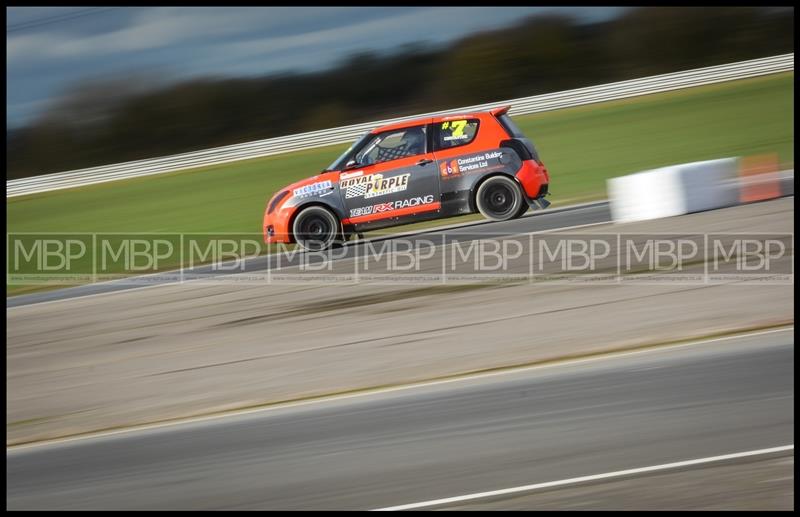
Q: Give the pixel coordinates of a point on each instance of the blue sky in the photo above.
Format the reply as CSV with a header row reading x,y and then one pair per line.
x,y
51,48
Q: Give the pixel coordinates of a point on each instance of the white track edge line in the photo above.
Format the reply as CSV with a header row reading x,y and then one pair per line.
x,y
582,479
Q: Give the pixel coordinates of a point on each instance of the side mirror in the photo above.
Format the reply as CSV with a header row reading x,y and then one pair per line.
x,y
351,164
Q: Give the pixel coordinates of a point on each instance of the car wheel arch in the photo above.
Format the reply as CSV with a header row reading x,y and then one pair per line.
x,y
332,209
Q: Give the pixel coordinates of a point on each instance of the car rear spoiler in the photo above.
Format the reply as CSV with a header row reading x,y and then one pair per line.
x,y
500,111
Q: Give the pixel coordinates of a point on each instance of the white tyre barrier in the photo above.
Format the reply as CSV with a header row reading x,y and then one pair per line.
x,y
674,190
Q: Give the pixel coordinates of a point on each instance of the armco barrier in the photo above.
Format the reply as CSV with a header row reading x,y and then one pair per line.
x,y
283,144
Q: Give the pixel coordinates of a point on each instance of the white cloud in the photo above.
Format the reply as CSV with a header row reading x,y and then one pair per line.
x,y
29,46
431,24
158,28
152,29
357,30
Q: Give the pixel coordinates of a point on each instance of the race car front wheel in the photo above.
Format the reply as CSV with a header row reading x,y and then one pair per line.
x,y
500,198
315,228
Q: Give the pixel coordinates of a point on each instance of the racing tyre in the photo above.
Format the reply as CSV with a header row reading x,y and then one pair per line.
x,y
316,229
500,198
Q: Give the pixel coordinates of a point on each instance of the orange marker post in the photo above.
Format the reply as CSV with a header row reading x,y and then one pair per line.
x,y
759,178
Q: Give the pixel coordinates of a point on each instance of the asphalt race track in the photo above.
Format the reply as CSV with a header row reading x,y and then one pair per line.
x,y
179,350
132,356
506,430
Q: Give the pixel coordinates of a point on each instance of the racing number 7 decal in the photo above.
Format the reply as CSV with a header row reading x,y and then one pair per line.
x,y
457,125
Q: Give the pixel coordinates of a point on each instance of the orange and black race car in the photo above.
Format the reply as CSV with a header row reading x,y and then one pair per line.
x,y
413,171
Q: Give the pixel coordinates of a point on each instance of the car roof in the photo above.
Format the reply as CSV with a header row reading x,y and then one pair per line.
x,y
441,118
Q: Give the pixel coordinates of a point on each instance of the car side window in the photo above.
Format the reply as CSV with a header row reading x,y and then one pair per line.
x,y
455,133
392,145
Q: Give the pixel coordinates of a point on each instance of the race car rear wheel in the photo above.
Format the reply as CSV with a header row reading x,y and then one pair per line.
x,y
315,228
500,198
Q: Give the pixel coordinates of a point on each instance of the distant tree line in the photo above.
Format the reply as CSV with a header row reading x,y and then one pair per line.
x,y
113,122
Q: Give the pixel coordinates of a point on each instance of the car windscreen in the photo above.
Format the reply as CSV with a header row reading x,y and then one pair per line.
x,y
339,163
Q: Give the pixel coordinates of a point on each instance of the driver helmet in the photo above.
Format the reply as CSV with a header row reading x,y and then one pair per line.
x,y
415,141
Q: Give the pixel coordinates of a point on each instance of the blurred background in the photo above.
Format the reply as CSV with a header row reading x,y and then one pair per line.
x,y
101,85
89,86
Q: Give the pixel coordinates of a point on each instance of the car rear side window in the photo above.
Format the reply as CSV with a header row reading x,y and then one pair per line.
x,y
511,128
455,133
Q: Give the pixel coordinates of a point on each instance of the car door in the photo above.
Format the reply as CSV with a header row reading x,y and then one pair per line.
x,y
393,180
459,161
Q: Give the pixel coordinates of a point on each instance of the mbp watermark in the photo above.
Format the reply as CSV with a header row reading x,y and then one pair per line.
x,y
487,258
121,256
753,258
445,257
49,259
584,258
662,258
222,254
